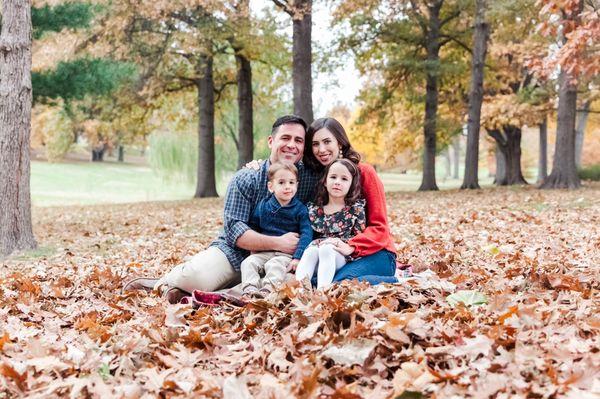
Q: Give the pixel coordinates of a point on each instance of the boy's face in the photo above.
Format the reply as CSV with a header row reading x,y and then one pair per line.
x,y
283,185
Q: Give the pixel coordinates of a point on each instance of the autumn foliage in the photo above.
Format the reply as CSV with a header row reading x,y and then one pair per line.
x,y
66,331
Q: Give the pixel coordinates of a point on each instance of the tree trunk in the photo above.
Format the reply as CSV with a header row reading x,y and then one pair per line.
x,y
206,185
480,39
509,144
447,164
245,125
543,158
431,98
456,157
302,59
500,174
564,171
98,153
16,232
580,132
121,153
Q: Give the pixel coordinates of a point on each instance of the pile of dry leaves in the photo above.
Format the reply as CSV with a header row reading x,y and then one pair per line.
x,y
534,256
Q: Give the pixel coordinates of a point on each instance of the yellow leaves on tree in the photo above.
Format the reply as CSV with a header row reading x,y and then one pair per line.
x,y
51,131
507,109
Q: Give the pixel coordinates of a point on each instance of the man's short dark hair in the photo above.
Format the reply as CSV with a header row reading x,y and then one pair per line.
x,y
288,120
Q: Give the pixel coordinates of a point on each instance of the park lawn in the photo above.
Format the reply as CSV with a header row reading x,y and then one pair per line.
x,y
65,330
88,183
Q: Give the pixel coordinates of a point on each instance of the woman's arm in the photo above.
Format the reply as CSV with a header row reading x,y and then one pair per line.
x,y
377,234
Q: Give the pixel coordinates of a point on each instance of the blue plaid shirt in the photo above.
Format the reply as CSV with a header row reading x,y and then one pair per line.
x,y
244,192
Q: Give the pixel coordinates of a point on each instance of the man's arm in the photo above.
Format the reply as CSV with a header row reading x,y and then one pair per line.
x,y
253,241
239,202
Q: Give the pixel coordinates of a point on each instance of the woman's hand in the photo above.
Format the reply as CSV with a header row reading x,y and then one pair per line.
x,y
255,164
339,245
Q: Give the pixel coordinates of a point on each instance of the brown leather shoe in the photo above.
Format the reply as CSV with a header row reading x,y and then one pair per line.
x,y
139,283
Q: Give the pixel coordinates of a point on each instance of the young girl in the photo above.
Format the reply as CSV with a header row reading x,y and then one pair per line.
x,y
337,215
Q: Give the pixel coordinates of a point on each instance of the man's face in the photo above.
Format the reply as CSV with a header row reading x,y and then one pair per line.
x,y
288,144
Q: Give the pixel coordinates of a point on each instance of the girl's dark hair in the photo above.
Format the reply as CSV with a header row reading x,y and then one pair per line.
x,y
354,193
340,135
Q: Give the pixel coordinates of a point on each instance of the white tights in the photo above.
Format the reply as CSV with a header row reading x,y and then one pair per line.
x,y
325,259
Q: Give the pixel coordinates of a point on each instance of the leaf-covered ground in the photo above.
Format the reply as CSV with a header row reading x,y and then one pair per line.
x,y
65,330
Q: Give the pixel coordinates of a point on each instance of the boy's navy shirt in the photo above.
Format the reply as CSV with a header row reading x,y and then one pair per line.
x,y
272,219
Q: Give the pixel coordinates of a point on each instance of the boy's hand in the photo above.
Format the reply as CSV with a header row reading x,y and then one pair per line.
x,y
293,265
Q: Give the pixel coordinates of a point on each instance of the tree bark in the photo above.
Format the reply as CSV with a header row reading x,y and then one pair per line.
x,y
480,39
245,125
543,158
302,59
500,174
580,132
428,182
456,157
564,171
447,164
206,185
509,144
98,153
16,231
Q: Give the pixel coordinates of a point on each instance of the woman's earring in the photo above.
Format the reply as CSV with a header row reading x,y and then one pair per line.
x,y
340,154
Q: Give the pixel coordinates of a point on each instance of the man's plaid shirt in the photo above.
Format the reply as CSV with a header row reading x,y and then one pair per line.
x,y
244,192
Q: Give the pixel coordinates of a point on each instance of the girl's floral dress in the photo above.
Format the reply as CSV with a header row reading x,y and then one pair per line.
x,y
344,224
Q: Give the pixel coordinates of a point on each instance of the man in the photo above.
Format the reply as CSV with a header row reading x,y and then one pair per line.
x,y
218,266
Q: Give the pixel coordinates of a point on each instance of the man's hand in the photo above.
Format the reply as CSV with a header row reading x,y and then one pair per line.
x,y
339,245
293,265
287,243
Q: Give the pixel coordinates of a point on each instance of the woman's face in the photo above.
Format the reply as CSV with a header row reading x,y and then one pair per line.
x,y
325,147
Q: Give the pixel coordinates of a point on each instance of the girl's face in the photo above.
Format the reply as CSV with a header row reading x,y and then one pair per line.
x,y
325,147
338,181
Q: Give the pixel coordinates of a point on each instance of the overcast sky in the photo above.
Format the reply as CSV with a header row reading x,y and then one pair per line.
x,y
343,84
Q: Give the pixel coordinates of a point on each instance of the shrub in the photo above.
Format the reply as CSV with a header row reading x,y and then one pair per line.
x,y
52,130
590,173
174,156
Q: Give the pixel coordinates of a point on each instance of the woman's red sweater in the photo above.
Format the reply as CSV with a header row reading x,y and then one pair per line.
x,y
377,235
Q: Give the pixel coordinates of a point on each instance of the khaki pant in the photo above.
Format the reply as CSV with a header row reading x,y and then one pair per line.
x,y
208,270
273,265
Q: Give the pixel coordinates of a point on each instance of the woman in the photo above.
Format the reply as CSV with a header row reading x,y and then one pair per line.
x,y
326,140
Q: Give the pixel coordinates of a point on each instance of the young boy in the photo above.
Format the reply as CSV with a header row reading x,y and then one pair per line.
x,y
278,214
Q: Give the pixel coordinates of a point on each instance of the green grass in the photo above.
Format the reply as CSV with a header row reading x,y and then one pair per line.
x,y
85,183
39,252
590,173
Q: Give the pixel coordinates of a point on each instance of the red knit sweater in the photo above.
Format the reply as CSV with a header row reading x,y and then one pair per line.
x,y
377,235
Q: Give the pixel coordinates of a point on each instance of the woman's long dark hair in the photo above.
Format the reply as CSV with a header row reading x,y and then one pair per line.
x,y
340,135
354,193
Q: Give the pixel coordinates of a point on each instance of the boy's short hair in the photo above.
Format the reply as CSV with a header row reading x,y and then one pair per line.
x,y
277,166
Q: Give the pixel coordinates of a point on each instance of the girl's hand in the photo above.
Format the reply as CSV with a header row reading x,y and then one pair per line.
x,y
339,245
293,265
255,164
